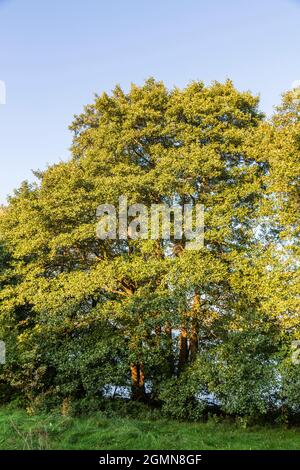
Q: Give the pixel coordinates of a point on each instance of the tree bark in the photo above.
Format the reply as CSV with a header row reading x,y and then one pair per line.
x,y
137,382
170,354
193,337
183,348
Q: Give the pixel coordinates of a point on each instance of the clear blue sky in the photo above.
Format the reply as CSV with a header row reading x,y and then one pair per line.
x,y
56,54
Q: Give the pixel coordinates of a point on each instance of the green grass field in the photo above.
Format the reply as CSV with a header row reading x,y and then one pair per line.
x,y
53,431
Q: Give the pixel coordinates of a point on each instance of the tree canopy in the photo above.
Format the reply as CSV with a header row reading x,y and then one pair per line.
x,y
84,318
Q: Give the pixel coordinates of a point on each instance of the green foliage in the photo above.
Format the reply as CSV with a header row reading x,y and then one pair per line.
x,y
242,374
181,397
81,316
290,388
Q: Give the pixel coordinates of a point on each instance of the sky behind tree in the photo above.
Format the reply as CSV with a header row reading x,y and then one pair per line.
x,y
55,55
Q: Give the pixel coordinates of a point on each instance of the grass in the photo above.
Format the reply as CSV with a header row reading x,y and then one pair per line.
x,y
53,431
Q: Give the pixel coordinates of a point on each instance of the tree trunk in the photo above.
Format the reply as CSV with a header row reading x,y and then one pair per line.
x,y
137,382
170,354
193,337
183,348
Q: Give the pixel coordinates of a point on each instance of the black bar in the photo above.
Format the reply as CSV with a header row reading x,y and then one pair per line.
x,y
135,459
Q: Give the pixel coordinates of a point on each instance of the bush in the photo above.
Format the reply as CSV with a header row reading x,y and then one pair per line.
x,y
180,397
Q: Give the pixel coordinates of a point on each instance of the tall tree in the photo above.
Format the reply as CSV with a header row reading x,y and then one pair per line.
x,y
89,314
